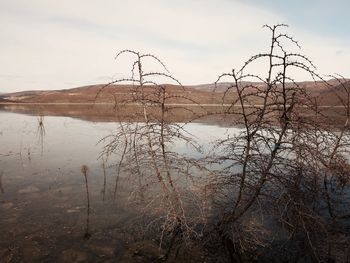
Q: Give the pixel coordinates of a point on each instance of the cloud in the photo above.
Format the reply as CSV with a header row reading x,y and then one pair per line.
x,y
55,43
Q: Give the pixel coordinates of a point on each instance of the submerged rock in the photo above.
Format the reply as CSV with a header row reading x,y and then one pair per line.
x,y
102,250
73,211
73,255
7,205
6,254
32,252
28,190
144,251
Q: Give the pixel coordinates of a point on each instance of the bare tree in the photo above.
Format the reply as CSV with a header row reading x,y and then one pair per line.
x,y
278,188
275,184
165,179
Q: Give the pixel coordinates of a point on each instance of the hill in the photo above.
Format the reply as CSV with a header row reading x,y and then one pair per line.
x,y
111,94
2,100
204,94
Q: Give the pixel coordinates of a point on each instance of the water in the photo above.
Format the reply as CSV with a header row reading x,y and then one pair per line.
x,y
44,213
50,211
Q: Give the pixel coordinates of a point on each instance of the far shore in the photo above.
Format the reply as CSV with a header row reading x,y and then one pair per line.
x,y
167,104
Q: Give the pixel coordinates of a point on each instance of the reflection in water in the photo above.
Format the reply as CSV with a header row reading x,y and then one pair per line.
x,y
104,179
1,187
41,132
84,170
125,147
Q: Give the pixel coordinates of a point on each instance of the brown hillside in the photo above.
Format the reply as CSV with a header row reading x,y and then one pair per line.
x,y
112,93
334,96
204,94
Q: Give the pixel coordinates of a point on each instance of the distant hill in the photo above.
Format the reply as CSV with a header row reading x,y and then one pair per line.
x,y
110,94
2,100
335,95
205,93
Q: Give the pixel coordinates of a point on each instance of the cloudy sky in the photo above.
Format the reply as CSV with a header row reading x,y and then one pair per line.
x,y
69,43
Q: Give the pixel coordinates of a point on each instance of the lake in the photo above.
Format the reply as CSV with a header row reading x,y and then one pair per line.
x,y
80,187
44,211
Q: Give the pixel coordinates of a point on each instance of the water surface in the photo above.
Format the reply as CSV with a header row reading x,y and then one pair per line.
x,y
44,215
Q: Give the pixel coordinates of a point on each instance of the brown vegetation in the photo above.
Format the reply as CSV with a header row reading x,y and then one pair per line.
x,y
276,191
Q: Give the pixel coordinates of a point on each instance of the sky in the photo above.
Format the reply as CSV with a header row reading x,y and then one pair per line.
x,y
64,44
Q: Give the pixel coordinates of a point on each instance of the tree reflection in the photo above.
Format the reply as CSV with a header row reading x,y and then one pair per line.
x,y
41,132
